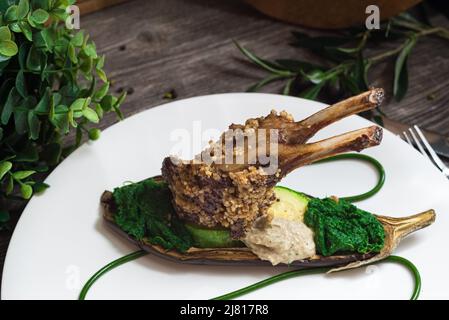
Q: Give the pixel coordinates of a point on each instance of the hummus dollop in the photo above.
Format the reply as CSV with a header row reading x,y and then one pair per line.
x,y
281,241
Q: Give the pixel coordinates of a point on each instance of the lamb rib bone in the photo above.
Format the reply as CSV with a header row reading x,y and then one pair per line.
x,y
235,195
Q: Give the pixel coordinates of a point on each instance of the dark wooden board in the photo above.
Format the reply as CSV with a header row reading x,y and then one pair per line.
x,y
153,46
87,6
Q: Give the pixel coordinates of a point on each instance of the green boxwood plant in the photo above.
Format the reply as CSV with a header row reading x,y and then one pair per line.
x,y
51,83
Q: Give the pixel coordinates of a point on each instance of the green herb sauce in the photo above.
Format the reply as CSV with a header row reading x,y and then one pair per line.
x,y
342,227
144,210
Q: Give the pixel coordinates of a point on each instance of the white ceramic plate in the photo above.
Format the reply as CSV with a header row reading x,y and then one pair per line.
x,y
60,240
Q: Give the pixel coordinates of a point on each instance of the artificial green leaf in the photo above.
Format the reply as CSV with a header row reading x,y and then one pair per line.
x,y
1,133
89,92
21,120
120,99
43,107
90,115
47,37
5,34
9,185
20,175
33,60
70,116
15,27
56,99
77,39
26,191
98,110
11,14
59,13
8,48
40,187
108,102
79,104
23,51
102,75
90,51
40,16
5,166
86,65
102,91
72,53
4,60
12,101
21,84
100,62
34,124
26,30
118,112
400,85
23,8
61,121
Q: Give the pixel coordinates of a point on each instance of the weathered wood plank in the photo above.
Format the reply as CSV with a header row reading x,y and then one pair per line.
x,y
87,6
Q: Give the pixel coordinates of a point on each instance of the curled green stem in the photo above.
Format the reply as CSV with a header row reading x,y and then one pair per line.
x,y
376,164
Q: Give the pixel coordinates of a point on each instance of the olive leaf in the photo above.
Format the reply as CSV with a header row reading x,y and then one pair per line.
x,y
312,92
400,70
260,62
344,68
264,82
298,65
288,87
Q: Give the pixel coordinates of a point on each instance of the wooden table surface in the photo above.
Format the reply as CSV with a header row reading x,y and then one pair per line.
x,y
154,46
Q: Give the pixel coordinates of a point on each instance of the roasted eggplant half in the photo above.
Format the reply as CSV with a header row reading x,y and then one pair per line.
x,y
224,207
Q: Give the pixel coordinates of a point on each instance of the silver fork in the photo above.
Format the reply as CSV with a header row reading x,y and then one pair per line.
x,y
415,137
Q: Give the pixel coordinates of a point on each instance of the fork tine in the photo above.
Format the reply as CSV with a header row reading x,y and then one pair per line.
x,y
407,138
417,142
429,148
